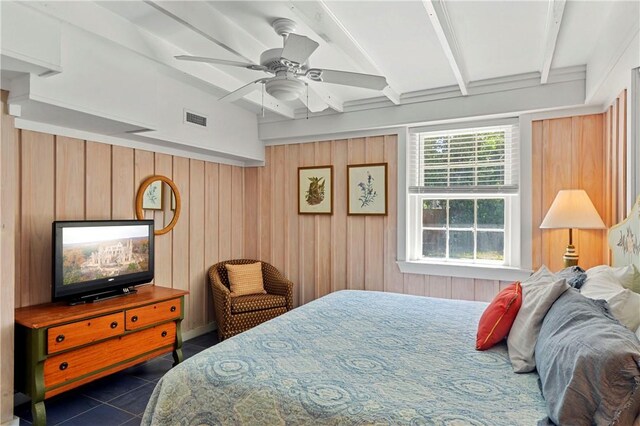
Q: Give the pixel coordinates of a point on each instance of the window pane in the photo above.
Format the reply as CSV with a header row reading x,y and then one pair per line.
x,y
461,214
461,245
491,245
464,176
491,214
434,243
462,149
434,213
491,175
435,177
491,146
436,150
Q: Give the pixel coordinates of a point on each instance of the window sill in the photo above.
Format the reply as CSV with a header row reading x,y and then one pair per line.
x,y
484,272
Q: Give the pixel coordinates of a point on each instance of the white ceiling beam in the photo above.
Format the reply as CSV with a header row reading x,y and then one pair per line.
x,y
554,21
325,96
105,23
392,95
217,28
317,16
331,99
207,21
439,18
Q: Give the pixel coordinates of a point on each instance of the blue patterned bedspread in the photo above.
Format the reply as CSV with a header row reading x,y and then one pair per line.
x,y
352,357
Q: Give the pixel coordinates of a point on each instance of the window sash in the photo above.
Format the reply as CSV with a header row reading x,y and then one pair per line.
x,y
483,172
475,228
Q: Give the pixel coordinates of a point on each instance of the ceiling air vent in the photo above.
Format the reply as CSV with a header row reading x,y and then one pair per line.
x,y
193,118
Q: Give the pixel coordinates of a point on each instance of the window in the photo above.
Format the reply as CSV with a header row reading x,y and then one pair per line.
x,y
463,195
464,229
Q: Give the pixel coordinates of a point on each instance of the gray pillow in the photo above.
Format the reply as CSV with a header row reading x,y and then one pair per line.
x,y
589,364
539,292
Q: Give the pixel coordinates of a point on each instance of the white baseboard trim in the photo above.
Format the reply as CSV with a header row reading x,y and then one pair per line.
x,y
188,335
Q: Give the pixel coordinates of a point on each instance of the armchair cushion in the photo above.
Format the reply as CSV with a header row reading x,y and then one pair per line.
x,y
256,302
245,279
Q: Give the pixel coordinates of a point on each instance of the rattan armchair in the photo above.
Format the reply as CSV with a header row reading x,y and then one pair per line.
x,y
235,314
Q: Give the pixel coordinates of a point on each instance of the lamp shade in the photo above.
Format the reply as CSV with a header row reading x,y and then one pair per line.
x,y
572,208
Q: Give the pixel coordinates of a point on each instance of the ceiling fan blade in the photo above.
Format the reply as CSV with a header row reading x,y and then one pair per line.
x,y
315,102
242,92
367,81
298,48
221,62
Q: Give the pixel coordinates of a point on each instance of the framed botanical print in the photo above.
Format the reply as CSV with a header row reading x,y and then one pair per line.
x,y
315,190
367,189
152,198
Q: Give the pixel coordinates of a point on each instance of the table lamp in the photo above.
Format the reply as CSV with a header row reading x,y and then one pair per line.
x,y
572,208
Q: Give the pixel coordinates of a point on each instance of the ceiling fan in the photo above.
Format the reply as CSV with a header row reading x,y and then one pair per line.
x,y
291,70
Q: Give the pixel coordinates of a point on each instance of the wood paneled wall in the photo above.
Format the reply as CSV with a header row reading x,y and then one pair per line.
x,y
584,152
7,258
64,178
567,153
322,254
615,143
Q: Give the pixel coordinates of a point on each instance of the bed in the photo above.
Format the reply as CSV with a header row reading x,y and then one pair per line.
x,y
359,357
352,357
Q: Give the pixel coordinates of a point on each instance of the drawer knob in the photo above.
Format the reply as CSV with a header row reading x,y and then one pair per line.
x,y
60,338
173,309
134,318
114,324
164,334
63,366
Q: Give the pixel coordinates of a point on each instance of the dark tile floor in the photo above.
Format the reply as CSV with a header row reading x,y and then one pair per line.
x,y
119,399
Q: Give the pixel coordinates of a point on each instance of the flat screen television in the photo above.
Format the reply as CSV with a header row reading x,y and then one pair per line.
x,y
94,260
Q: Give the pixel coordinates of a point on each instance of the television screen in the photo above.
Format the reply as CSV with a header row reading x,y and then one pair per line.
x,y
92,256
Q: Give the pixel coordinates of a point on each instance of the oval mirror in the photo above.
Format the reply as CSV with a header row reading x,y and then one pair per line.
x,y
158,198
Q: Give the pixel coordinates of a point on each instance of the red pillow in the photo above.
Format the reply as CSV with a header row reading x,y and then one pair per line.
x,y
497,319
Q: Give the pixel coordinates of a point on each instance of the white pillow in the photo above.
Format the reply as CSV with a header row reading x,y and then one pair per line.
x,y
627,276
604,283
625,306
638,333
601,283
539,292
635,287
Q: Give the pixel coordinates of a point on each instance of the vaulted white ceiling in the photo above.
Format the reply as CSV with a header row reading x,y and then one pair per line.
x,y
417,45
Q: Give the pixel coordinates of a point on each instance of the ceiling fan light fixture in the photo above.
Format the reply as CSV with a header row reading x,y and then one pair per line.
x,y
284,89
289,64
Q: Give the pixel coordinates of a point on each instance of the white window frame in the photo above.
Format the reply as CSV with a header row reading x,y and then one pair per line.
x,y
410,222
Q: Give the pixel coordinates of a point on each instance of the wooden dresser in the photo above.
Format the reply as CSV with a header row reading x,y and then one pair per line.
x,y
60,347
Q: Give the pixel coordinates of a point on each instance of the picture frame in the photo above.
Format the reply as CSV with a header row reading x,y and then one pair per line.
x,y
152,197
315,190
367,189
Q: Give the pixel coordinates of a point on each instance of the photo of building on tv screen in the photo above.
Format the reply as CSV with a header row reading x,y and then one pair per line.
x,y
90,253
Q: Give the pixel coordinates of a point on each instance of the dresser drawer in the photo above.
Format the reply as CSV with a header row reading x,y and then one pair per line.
x,y
151,314
82,332
73,364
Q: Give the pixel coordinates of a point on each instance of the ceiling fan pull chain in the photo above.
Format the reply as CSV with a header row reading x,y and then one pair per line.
x,y
262,100
307,100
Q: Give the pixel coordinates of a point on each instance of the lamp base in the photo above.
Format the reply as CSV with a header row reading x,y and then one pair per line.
x,y
570,256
